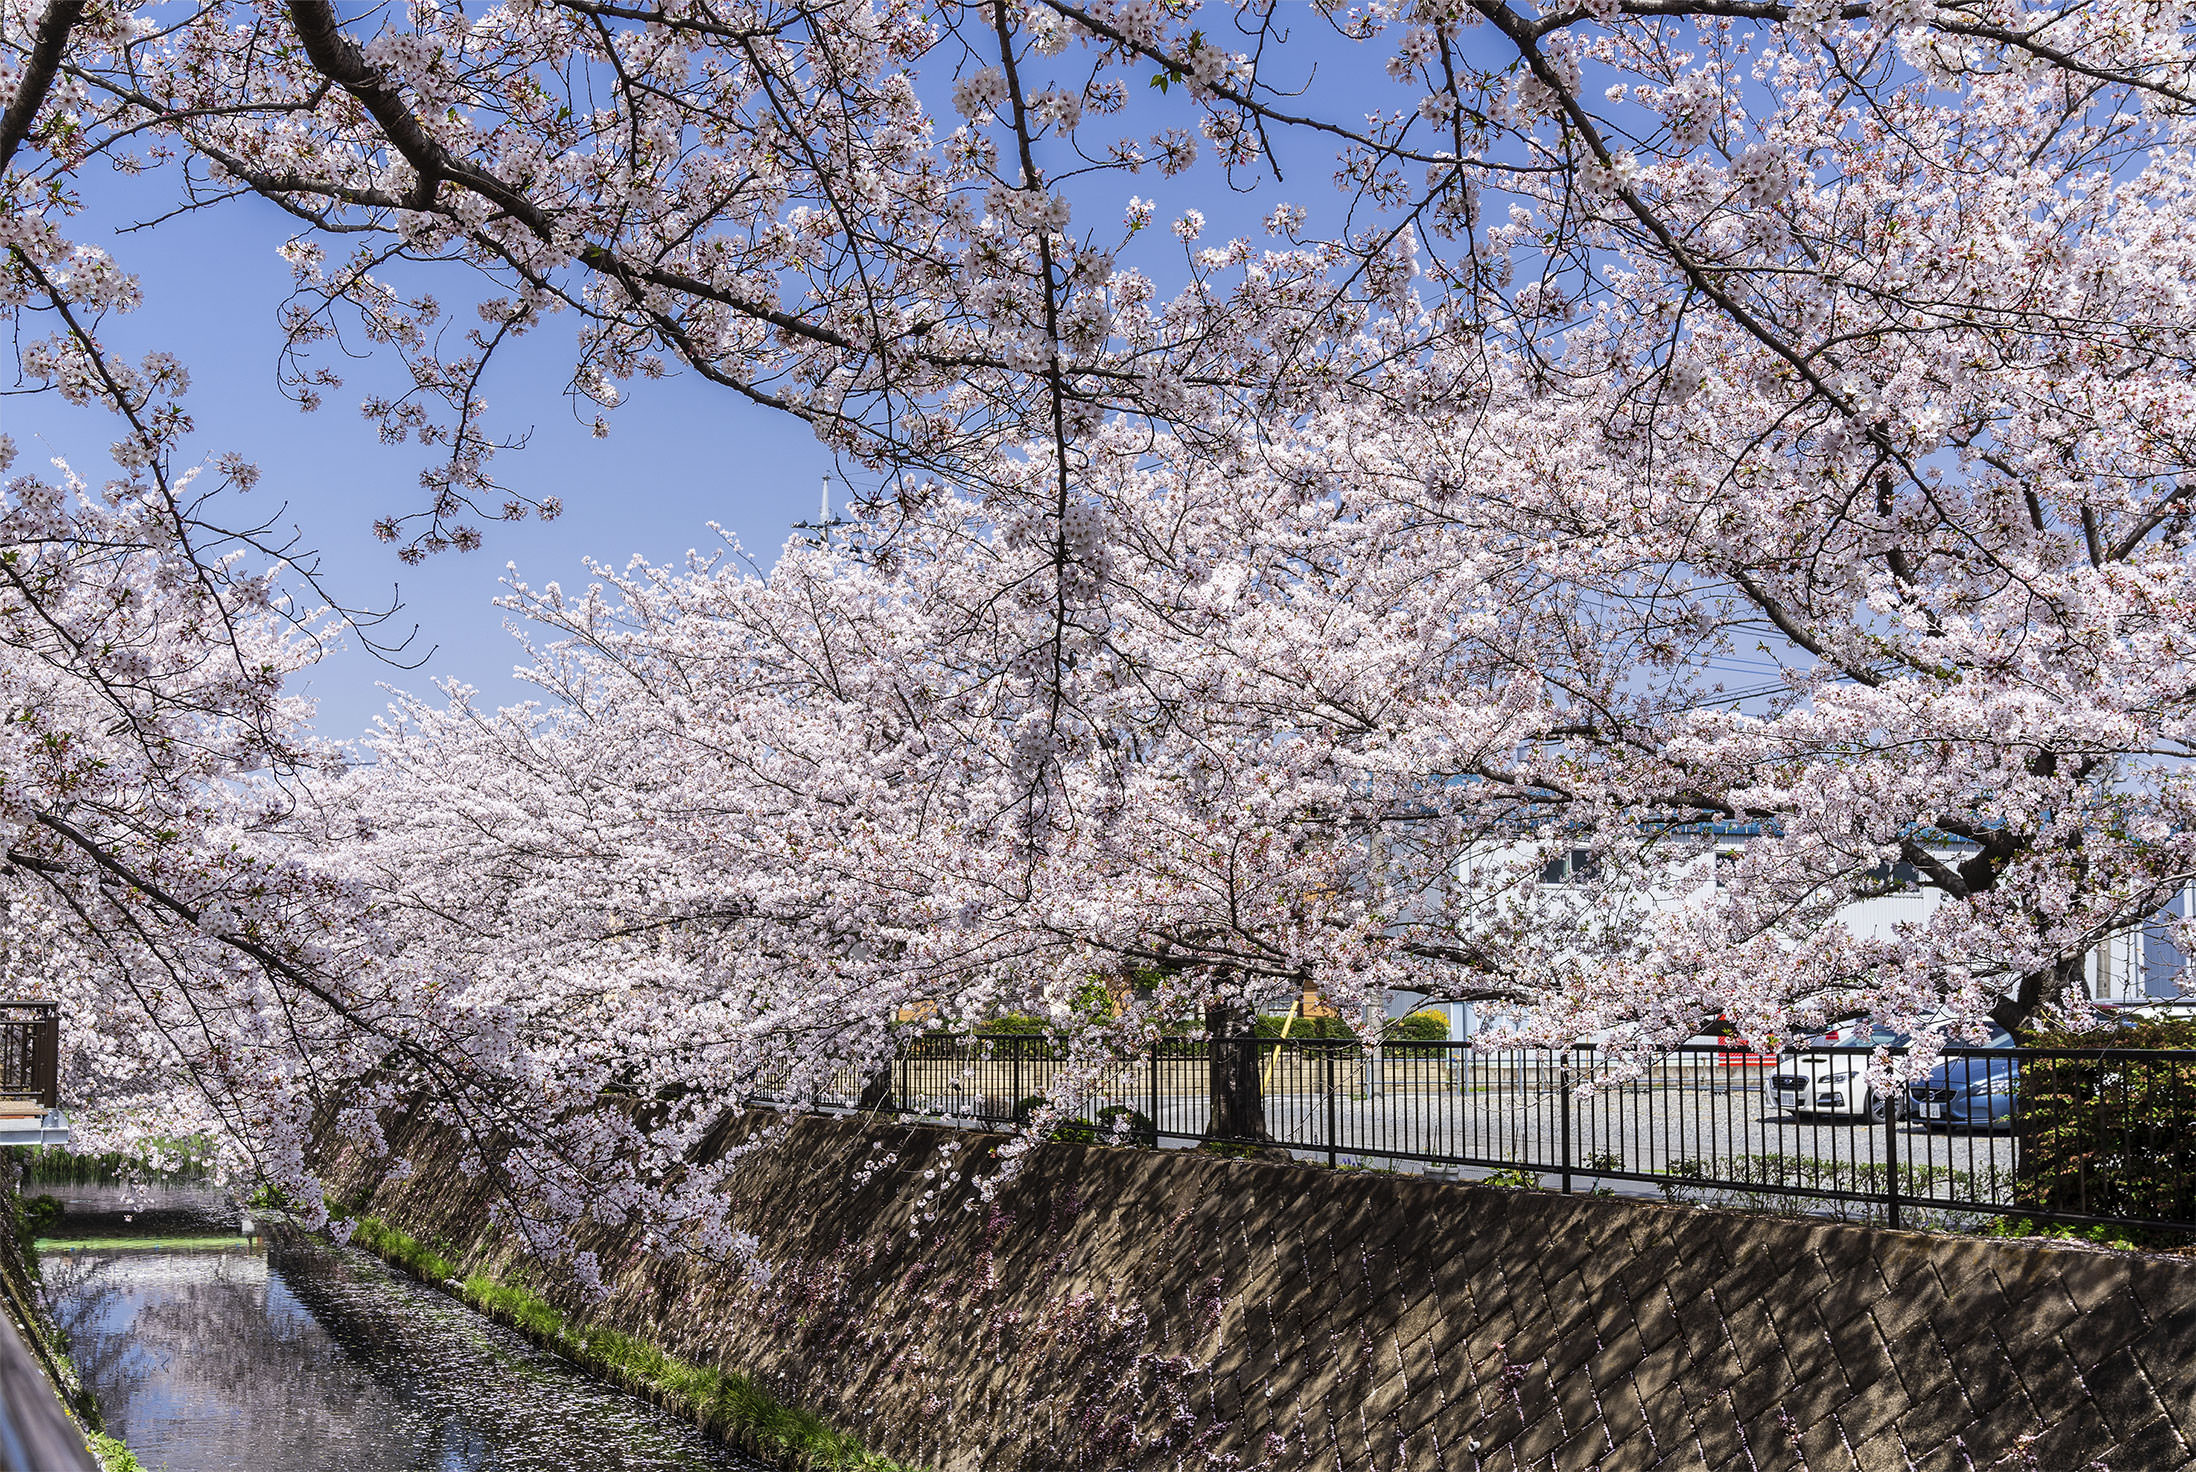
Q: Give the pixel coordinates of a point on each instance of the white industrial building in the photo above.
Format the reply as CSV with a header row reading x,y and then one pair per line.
x,y
2139,963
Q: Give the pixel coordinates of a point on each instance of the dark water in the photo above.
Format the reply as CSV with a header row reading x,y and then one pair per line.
x,y
320,1359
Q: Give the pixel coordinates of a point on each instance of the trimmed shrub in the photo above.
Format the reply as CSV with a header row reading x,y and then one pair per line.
x,y
1417,1027
1420,1027
1304,1029
2109,1136
1014,1025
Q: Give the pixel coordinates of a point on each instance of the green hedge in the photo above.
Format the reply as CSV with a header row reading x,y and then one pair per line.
x,y
1015,1025
1305,1029
1418,1027
2103,1136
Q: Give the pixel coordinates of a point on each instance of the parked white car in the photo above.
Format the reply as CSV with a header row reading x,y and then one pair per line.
x,y
1811,1083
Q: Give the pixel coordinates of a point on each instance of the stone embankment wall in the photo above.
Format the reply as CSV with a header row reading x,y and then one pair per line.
x,y
1160,1309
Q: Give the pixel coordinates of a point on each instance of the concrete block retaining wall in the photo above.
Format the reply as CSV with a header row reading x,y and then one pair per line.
x,y
1161,1309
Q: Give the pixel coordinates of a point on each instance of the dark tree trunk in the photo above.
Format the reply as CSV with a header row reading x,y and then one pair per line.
x,y
1238,1107
876,1091
2015,1011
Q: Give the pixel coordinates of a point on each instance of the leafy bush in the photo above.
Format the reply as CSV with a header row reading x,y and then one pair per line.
x,y
1515,1179
2096,1233
1328,1029
1138,1129
113,1455
1230,1151
39,1215
1094,1000
1419,1028
1014,1025
2109,1136
27,1220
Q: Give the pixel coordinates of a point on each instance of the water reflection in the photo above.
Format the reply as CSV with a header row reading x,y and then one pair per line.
x,y
317,1359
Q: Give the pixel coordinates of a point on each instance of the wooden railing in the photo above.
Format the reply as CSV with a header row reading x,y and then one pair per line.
x,y
30,1053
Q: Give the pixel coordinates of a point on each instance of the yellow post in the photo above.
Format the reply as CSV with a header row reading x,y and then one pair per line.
x,y
1265,1085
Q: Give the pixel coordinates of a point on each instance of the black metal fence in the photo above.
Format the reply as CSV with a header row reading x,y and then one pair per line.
x,y
30,1053
2079,1136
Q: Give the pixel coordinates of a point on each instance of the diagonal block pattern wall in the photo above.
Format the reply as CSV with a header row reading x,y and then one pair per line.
x,y
1160,1309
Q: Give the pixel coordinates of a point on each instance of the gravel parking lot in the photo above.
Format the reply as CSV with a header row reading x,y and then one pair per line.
x,y
1705,1135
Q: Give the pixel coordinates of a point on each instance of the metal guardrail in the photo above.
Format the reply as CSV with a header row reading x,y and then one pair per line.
x,y
2103,1136
30,1053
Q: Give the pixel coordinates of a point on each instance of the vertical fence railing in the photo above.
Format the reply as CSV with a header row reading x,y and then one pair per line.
x,y
30,1053
2070,1135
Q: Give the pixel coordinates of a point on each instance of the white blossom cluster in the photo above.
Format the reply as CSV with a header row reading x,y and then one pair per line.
x,y
1669,424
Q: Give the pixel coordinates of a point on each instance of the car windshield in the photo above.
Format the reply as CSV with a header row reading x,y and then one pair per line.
x,y
1854,1035
1953,1070
1996,1037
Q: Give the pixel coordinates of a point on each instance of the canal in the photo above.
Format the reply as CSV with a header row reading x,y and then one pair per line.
x,y
211,1351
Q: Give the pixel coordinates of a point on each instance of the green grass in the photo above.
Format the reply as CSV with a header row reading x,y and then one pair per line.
x,y
723,1402
56,1165
113,1455
2097,1234
138,1244
392,1246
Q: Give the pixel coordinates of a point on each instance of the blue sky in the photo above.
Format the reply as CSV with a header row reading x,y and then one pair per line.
x,y
680,455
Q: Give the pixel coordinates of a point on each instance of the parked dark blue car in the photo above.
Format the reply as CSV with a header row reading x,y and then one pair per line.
x,y
1972,1091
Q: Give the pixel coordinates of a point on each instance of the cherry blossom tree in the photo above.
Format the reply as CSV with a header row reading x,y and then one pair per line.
x,y
152,764
1249,614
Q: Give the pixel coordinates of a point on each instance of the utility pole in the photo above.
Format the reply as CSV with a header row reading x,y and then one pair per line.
x,y
824,521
